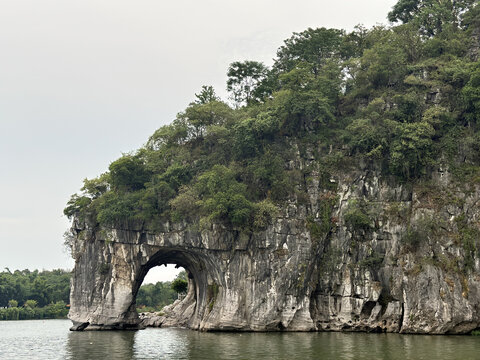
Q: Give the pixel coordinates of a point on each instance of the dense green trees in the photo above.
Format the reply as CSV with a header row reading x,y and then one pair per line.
x,y
29,311
398,97
153,297
312,47
34,295
431,16
471,95
42,287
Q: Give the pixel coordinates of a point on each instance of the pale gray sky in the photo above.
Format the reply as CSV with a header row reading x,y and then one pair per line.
x,y
83,81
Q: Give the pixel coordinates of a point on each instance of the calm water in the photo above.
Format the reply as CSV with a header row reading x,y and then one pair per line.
x,y
50,339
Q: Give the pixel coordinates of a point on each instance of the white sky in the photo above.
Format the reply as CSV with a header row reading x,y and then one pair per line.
x,y
83,81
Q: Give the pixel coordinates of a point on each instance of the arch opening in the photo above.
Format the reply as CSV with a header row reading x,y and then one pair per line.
x,y
161,287
189,309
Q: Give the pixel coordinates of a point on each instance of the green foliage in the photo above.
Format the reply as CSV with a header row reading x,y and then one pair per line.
x,y
212,293
411,150
43,287
418,232
76,204
152,297
357,216
384,64
469,237
169,135
185,205
321,226
373,261
113,208
201,115
471,95
222,197
30,304
251,134
265,212
431,16
206,95
128,173
243,77
57,310
307,101
266,177
401,99
180,285
95,188
34,295
312,46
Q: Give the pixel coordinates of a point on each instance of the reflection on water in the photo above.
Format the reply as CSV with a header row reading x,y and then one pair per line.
x,y
100,345
50,339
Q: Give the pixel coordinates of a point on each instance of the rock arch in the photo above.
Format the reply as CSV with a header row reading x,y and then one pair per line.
x,y
203,275
238,281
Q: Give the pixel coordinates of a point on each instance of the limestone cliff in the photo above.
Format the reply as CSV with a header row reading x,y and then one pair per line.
x,y
365,253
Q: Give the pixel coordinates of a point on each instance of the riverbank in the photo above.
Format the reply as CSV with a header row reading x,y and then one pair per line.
x,y
58,310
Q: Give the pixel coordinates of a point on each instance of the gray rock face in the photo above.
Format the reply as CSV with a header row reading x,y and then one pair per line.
x,y
384,257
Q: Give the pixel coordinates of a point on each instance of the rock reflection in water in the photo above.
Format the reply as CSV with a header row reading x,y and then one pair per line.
x,y
101,345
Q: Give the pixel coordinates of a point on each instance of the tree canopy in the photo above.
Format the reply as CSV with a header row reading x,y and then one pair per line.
x,y
431,16
243,78
395,97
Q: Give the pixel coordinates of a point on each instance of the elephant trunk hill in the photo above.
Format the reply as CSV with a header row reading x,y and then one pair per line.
x,y
340,193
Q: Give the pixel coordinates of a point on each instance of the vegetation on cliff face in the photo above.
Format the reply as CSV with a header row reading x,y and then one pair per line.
x,y
404,98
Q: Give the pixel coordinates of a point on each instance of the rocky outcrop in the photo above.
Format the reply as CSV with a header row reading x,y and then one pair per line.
x,y
177,314
361,253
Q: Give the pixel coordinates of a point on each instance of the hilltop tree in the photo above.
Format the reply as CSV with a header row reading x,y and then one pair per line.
x,y
431,16
206,95
312,46
243,77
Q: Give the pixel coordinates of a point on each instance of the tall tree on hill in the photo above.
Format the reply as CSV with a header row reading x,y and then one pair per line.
x,y
243,77
431,16
312,46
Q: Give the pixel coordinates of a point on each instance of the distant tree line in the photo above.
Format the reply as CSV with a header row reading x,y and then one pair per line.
x,y
153,297
26,294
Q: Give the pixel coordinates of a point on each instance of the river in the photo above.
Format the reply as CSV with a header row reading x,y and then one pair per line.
x,y
50,339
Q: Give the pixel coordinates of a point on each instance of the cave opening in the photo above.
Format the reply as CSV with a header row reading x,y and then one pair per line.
x,y
186,306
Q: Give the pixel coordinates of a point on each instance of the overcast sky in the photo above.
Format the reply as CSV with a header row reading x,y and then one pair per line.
x,y
83,81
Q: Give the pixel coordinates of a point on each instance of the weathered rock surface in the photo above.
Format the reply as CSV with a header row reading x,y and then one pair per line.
x,y
177,314
394,259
